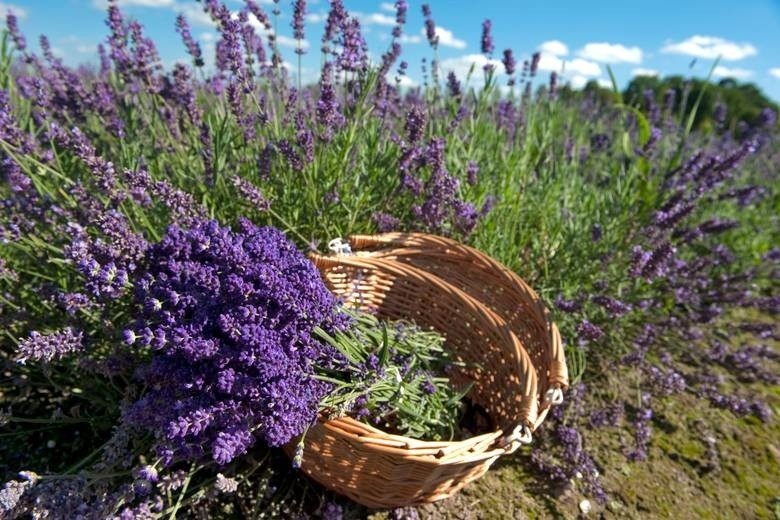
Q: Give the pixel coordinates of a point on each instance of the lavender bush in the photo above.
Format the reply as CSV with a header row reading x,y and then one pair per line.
x,y
130,303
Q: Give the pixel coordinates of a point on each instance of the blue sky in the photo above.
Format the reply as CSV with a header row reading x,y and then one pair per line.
x,y
580,38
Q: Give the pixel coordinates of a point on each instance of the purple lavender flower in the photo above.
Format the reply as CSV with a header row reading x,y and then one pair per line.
x,y
353,47
487,38
299,13
430,26
569,306
642,430
251,193
415,123
336,17
229,319
13,31
472,169
332,511
385,222
49,347
401,7
453,85
535,59
767,118
615,308
183,28
258,12
509,62
588,332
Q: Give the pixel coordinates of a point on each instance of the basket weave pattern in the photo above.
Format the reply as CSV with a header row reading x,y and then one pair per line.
x,y
377,469
491,283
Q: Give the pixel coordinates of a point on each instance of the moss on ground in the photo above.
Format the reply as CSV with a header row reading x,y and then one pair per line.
x,y
682,478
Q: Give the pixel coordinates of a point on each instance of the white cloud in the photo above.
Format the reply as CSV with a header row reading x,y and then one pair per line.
x,y
18,11
75,43
195,14
578,81
404,81
286,41
315,17
281,40
103,4
639,71
725,72
604,83
710,47
463,64
447,38
577,66
375,19
610,53
775,72
207,37
411,38
554,47
387,6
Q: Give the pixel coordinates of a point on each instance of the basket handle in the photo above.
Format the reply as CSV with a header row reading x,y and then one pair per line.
x,y
522,434
388,239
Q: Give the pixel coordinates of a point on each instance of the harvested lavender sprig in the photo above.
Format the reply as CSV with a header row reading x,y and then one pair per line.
x,y
394,378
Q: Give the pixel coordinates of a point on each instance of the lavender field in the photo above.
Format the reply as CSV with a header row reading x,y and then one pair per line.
x,y
164,335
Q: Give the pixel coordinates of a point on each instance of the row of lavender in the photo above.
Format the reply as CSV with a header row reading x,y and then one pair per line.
x,y
642,236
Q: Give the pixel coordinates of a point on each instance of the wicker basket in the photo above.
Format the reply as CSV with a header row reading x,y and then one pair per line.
x,y
381,470
494,285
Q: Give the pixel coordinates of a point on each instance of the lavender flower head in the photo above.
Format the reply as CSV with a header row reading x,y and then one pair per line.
x,y
49,347
430,27
193,48
353,47
13,31
487,38
299,13
228,317
510,64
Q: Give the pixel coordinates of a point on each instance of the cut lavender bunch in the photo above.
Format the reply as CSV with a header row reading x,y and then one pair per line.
x,y
395,378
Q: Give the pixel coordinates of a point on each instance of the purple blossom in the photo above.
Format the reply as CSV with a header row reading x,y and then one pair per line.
x,y
299,14
353,47
193,48
767,117
453,85
472,169
49,347
642,430
535,59
487,38
251,194
587,331
332,511
430,26
509,62
229,318
336,17
615,308
415,123
569,306
385,222
12,25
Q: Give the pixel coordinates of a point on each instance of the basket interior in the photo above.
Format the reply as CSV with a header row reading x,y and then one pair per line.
x,y
503,380
516,305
